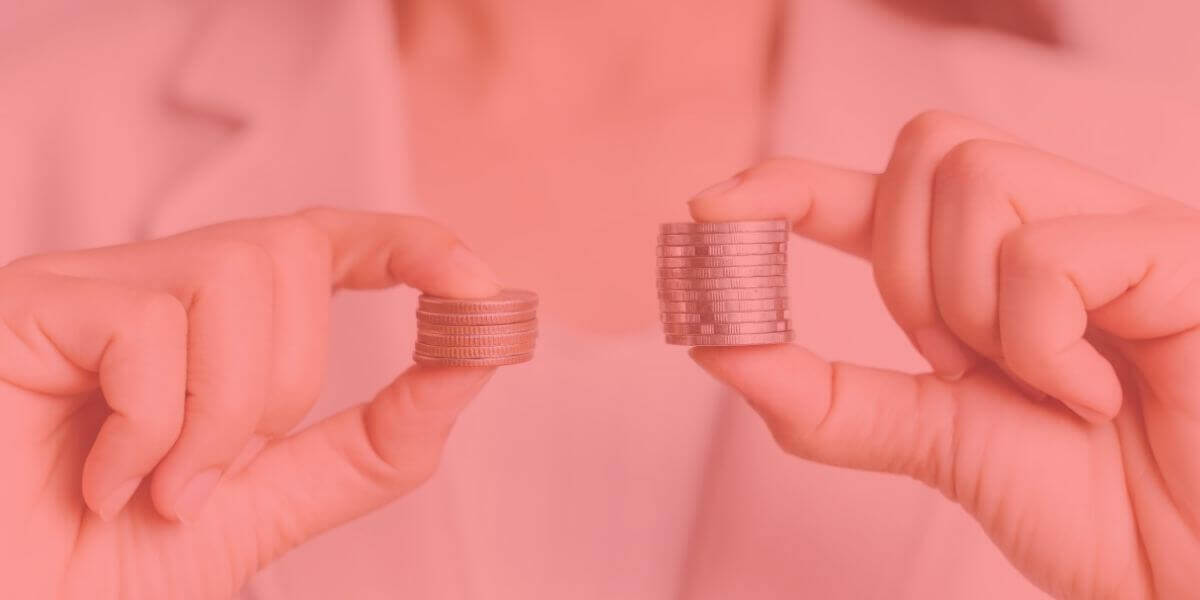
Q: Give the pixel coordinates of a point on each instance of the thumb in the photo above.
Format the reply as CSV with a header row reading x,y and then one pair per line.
x,y
355,461
842,414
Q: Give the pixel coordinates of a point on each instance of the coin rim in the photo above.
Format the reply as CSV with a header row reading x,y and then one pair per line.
x,y
740,260
476,318
724,226
710,239
450,351
735,283
708,307
677,340
786,323
497,361
665,294
779,315
720,250
527,326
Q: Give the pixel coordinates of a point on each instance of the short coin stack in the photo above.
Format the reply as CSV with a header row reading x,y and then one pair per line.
x,y
477,332
724,284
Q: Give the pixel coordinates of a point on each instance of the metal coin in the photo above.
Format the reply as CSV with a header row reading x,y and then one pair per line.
x,y
473,351
505,301
712,239
497,361
508,339
722,249
502,329
724,306
744,260
499,318
745,339
757,316
726,227
713,272
722,283
725,328
730,294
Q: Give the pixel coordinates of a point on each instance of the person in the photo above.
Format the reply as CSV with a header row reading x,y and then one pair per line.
x,y
186,183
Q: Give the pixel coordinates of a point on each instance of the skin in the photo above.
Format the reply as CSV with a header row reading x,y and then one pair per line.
x,y
1059,309
1102,507
137,369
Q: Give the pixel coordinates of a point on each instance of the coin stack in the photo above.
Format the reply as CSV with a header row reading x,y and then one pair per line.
x,y
477,332
724,284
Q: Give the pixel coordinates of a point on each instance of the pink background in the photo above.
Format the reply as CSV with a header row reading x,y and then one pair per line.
x,y
610,467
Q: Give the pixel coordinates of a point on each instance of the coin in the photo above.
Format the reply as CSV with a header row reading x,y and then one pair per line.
x,y
743,339
729,294
712,272
473,351
496,361
476,319
508,339
735,317
722,249
505,301
726,227
724,306
712,239
722,283
500,329
725,328
744,260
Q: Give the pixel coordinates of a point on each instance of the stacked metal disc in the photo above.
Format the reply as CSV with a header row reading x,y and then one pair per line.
x,y
724,284
481,332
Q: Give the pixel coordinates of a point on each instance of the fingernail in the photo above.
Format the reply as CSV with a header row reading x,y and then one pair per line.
x,y
944,352
195,494
718,188
118,499
467,263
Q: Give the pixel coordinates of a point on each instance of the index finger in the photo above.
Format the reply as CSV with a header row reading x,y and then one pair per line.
x,y
823,203
377,250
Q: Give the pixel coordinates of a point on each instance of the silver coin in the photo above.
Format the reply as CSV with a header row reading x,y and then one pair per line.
x,y
722,283
715,272
724,227
712,239
745,260
757,316
725,328
724,306
722,249
728,294
740,339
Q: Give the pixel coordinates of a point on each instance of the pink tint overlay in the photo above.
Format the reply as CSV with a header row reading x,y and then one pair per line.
x,y
193,414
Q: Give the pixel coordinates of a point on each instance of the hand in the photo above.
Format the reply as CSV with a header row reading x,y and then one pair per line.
x,y
148,391
1059,309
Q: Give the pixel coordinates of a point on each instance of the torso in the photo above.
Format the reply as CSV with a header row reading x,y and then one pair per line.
x,y
554,150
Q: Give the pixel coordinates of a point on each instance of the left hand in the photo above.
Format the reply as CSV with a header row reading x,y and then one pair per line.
x,y
1060,310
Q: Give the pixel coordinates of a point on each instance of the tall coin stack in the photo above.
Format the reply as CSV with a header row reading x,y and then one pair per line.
x,y
477,332
724,284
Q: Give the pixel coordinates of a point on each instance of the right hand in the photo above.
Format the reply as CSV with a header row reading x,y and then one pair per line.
x,y
149,390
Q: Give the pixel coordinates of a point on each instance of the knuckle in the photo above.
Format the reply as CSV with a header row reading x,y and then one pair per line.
x,y
965,174
968,161
923,129
297,238
237,263
1026,251
161,314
